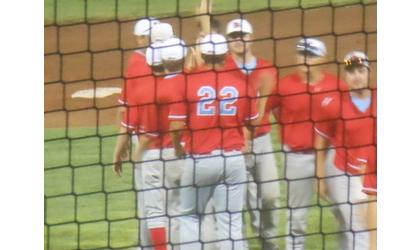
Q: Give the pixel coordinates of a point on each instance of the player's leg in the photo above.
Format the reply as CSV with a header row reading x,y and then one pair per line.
x,y
143,231
172,172
228,197
196,189
252,203
346,191
208,227
300,172
154,197
268,183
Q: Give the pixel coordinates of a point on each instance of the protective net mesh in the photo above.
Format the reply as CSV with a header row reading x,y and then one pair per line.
x,y
87,47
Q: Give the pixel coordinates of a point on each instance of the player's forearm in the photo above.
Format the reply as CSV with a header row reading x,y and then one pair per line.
x,y
205,9
321,146
176,128
122,140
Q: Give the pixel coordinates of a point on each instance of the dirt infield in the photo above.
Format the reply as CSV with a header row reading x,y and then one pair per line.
x,y
96,54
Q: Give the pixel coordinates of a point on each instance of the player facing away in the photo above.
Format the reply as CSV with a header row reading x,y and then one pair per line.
x,y
145,30
218,105
161,170
152,232
292,102
262,168
349,125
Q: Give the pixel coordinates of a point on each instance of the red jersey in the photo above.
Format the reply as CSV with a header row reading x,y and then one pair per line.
x,y
254,78
218,103
138,100
136,69
351,131
170,92
293,107
370,181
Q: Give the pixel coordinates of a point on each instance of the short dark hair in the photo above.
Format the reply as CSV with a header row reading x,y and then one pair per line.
x,y
213,59
173,65
158,68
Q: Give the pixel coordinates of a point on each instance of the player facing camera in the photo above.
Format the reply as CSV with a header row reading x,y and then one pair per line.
x,y
357,70
173,54
239,34
311,53
213,50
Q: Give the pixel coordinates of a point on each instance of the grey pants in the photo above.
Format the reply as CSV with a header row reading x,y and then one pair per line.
x,y
157,183
300,176
345,190
263,189
223,179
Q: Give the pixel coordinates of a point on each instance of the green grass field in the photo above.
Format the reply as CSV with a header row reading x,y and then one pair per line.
x,y
87,204
75,11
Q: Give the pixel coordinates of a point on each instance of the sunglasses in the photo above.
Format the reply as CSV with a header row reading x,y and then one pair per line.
x,y
355,62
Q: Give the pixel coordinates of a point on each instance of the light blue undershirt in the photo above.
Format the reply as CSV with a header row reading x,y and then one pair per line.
x,y
361,103
248,67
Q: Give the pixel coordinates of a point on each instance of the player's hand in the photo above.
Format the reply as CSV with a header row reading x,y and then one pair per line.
x,y
117,167
322,190
180,152
125,153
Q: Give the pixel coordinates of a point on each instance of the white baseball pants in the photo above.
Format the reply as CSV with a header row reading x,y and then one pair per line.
x,y
157,182
263,189
300,176
345,190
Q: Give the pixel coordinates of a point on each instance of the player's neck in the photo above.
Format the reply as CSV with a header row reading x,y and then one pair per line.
x,y
361,93
216,66
243,58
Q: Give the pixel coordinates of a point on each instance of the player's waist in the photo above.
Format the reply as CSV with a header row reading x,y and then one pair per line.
x,y
217,152
298,150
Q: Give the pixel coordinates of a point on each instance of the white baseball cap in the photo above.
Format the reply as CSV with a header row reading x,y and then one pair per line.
x,y
173,49
312,46
161,32
214,44
356,58
143,26
239,25
153,54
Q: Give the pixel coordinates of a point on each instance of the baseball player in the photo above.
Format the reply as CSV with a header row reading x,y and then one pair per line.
x,y
292,107
262,169
161,170
137,65
145,30
218,105
136,101
348,123
139,92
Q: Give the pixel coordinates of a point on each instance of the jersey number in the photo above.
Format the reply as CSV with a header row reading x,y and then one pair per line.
x,y
206,107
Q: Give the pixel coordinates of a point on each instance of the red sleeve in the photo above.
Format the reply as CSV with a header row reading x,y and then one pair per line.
x,y
177,111
274,100
131,118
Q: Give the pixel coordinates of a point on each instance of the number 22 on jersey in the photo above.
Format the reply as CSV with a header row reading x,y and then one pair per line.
x,y
228,97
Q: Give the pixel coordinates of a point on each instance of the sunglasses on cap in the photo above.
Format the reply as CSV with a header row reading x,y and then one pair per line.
x,y
356,62
236,35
